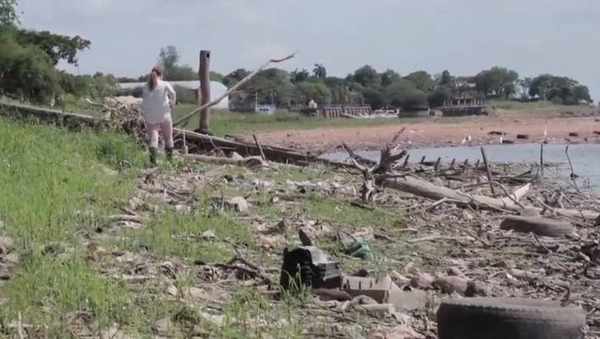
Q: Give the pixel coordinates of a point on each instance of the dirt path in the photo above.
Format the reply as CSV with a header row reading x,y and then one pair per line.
x,y
437,133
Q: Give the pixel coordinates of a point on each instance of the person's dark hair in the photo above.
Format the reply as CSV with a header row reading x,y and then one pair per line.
x,y
153,78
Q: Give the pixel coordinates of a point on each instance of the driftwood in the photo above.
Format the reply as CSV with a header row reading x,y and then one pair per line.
x,y
383,175
248,149
538,226
250,162
422,188
52,116
183,121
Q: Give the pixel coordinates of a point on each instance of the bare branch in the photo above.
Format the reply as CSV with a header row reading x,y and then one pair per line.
x,y
186,118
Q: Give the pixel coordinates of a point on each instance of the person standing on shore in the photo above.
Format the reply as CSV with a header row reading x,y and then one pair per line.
x,y
158,101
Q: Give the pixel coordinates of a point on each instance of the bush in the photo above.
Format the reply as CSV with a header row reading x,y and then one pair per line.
x,y
26,72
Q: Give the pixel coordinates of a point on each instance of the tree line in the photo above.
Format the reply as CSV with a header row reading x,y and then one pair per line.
x,y
366,85
28,72
28,60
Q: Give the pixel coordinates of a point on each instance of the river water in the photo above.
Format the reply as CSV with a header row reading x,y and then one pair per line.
x,y
584,157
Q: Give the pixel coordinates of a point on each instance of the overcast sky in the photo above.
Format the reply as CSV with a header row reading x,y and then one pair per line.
x,y
464,36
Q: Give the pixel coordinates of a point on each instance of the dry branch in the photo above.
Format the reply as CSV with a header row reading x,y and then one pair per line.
x,y
184,120
249,162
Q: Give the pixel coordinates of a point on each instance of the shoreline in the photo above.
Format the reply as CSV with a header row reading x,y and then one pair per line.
x,y
440,133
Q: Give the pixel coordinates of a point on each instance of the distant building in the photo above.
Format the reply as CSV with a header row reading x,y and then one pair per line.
x,y
217,89
464,105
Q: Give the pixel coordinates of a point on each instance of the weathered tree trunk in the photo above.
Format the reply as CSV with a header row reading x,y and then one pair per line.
x,y
539,226
428,190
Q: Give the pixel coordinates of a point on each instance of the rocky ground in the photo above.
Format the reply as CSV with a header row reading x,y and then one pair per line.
x,y
204,245
95,245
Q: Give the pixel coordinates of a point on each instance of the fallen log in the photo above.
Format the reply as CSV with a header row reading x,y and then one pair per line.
x,y
248,149
539,226
431,191
52,116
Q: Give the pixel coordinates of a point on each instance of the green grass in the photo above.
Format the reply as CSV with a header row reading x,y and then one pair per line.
x,y
172,233
225,122
536,106
54,182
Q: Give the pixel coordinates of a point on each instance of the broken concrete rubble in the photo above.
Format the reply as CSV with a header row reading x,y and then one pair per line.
x,y
385,291
308,266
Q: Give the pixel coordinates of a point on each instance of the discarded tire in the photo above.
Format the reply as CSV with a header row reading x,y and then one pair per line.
x,y
538,226
504,318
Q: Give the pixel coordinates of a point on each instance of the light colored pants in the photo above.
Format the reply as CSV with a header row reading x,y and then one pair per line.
x,y
165,128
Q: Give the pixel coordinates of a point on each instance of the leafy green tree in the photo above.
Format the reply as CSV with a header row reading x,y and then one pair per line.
x,y
540,86
446,79
9,18
497,82
581,92
388,77
367,76
57,47
168,57
271,86
298,76
422,80
319,71
317,91
524,84
403,93
439,95
373,97
235,76
216,76
26,72
561,90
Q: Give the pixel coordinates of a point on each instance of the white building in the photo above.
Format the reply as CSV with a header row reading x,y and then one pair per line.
x,y
217,89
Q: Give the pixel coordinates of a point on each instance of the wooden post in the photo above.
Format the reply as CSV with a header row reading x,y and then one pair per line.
x,y
488,170
405,161
437,164
542,158
204,75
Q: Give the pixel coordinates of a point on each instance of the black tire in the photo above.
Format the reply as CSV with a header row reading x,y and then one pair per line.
x,y
539,226
508,318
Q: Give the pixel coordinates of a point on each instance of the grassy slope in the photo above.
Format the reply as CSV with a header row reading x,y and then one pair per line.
x,y
54,184
58,186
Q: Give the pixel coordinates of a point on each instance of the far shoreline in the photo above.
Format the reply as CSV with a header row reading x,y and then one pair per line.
x,y
440,134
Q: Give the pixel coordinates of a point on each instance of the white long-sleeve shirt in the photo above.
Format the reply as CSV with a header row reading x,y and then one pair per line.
x,y
157,102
